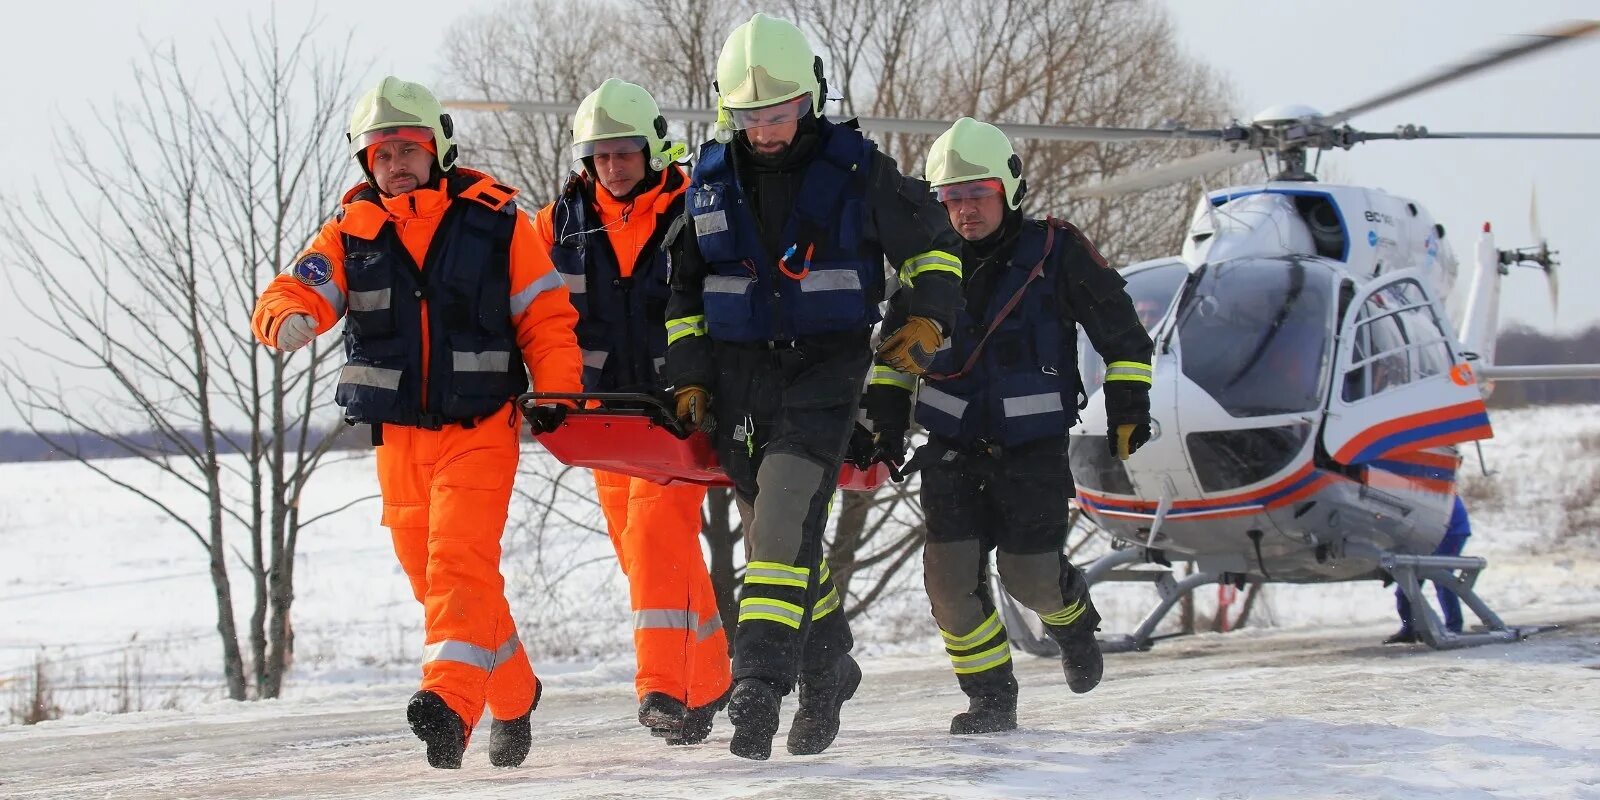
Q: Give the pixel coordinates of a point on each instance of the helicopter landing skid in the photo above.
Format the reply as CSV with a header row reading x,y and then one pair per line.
x,y
1458,574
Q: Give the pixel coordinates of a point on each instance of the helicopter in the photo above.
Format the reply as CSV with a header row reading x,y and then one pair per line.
x,y
1310,388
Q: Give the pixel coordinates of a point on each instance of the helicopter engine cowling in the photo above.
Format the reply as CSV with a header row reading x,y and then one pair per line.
x,y
1256,226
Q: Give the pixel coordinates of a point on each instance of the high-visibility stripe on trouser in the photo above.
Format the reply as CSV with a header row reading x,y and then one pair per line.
x,y
445,495
979,650
678,640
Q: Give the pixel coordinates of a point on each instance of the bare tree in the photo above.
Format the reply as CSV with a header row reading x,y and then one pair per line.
x,y
149,268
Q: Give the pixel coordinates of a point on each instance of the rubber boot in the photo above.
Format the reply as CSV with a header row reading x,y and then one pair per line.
x,y
439,728
697,722
510,740
753,710
816,721
990,709
669,719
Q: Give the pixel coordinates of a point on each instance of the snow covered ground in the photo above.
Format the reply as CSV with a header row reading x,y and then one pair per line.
x,y
114,600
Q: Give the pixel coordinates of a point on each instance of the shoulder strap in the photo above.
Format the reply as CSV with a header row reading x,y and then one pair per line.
x,y
1005,310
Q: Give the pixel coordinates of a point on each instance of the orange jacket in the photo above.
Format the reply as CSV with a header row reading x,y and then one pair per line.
x,y
629,224
544,325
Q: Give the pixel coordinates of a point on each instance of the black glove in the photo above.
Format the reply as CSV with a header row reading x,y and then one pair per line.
x,y
889,446
1127,417
546,418
859,450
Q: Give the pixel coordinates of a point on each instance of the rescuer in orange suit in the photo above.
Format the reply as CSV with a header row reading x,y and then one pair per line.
x,y
608,234
448,303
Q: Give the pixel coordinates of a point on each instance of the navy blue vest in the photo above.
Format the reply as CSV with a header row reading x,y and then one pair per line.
x,y
464,288
621,321
834,277
1024,385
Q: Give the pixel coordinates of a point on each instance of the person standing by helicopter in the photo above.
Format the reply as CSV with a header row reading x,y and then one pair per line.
x,y
1454,541
609,234
998,403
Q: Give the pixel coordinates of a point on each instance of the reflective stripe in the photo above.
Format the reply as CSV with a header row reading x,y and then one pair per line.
x,y
471,654
889,376
752,608
547,282
374,300
376,377
984,630
658,618
772,573
660,363
487,361
986,660
827,280
931,261
1129,371
942,401
576,284
726,284
1032,404
685,326
712,624
1065,616
595,359
825,606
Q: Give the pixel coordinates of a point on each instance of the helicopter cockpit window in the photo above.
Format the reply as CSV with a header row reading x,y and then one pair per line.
x,y
1398,339
1151,289
1254,335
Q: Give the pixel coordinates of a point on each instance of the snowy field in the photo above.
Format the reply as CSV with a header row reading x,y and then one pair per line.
x,y
114,601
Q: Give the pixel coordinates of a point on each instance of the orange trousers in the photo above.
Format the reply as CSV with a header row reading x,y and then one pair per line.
x,y
445,499
678,639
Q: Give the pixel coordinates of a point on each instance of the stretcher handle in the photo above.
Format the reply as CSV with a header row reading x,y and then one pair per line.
x,y
658,410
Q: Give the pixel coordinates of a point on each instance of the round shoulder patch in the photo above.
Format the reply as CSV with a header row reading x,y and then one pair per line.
x,y
313,269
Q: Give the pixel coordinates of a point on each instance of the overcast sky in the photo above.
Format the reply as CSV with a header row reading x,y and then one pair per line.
x,y
64,58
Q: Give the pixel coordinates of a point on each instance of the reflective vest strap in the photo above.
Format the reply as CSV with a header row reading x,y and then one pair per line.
x,y
942,401
1028,405
376,377
375,300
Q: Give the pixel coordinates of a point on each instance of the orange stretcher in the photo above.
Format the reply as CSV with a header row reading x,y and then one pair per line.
x,y
638,435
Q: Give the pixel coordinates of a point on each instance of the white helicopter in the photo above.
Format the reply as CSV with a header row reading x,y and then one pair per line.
x,y
1309,389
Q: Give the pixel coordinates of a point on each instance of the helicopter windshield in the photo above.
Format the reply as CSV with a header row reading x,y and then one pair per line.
x,y
1254,335
1151,288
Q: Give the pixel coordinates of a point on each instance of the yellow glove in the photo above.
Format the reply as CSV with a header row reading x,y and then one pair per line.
x,y
910,349
1129,438
694,405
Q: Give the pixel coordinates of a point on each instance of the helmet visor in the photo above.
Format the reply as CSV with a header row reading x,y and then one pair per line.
x,y
777,114
969,190
600,147
409,133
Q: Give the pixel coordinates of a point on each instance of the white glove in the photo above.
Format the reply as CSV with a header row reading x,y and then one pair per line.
x,y
296,332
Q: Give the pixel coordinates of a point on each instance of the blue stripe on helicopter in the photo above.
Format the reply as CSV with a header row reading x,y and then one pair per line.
x,y
1399,439
1221,198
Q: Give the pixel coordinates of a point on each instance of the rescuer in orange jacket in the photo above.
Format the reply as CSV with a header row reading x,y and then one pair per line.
x,y
449,302
608,235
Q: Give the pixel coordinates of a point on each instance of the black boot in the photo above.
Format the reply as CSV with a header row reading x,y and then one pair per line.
x,y
440,728
990,709
753,710
510,740
1080,651
1402,636
697,723
816,721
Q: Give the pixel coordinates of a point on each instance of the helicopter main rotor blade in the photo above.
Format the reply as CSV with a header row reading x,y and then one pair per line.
x,y
1073,133
1534,42
1167,174
1424,133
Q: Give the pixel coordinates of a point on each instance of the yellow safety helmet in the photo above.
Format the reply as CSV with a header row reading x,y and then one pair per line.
x,y
767,62
397,109
622,114
976,151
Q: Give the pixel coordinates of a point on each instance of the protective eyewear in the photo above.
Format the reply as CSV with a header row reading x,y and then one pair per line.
x,y
780,114
405,134
603,147
969,190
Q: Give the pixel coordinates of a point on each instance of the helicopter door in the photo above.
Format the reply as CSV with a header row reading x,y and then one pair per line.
x,y
1400,382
